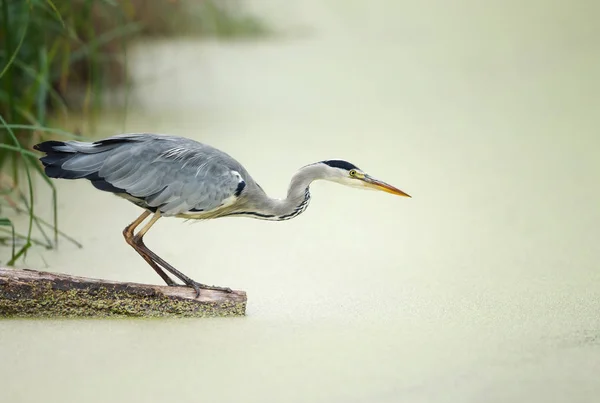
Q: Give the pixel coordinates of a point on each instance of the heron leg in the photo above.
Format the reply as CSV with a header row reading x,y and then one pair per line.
x,y
128,234
138,240
188,281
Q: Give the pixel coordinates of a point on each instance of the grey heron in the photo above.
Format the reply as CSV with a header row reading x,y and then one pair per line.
x,y
171,176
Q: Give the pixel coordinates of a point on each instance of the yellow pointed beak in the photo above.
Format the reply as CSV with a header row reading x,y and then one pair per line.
x,y
379,185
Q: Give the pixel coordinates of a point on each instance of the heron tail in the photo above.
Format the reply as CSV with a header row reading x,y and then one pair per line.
x,y
57,154
76,160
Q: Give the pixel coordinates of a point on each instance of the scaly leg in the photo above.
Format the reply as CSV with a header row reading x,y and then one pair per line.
x,y
139,242
128,234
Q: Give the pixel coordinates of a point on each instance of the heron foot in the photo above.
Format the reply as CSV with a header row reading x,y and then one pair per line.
x,y
141,247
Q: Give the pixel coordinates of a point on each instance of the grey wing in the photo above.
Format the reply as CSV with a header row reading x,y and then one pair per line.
x,y
173,175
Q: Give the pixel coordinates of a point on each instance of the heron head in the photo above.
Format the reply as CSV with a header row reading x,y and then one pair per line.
x,y
350,175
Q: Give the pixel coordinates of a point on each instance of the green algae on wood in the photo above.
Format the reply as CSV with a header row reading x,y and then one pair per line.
x,y
31,293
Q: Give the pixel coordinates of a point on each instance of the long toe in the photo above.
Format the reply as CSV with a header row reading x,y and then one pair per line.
x,y
224,289
213,287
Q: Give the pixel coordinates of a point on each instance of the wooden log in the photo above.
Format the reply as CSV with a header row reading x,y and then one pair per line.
x,y
31,293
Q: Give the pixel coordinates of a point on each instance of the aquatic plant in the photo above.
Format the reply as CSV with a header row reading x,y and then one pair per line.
x,y
44,46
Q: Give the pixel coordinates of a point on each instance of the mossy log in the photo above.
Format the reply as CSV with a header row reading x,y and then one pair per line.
x,y
31,293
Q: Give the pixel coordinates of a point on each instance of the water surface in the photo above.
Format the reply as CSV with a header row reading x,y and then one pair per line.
x,y
483,287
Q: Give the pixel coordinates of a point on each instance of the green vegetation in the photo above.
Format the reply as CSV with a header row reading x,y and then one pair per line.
x,y
51,47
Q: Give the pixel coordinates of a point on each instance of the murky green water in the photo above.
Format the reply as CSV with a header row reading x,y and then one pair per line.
x,y
485,287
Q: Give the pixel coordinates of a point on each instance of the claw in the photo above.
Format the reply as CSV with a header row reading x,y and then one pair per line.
x,y
195,287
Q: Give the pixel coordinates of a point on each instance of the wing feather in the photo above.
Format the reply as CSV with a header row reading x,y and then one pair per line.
x,y
84,163
174,176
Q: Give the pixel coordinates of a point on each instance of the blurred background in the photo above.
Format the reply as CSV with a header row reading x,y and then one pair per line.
x,y
485,286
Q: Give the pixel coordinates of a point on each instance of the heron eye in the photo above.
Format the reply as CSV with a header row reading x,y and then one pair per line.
x,y
353,172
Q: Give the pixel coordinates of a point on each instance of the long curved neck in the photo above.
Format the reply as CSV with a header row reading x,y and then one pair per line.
x,y
296,202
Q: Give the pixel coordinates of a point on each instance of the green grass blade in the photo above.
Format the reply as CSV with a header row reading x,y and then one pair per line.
x,y
18,149
18,48
30,189
56,12
42,92
46,130
42,80
39,169
103,39
5,222
36,221
23,237
21,252
48,225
